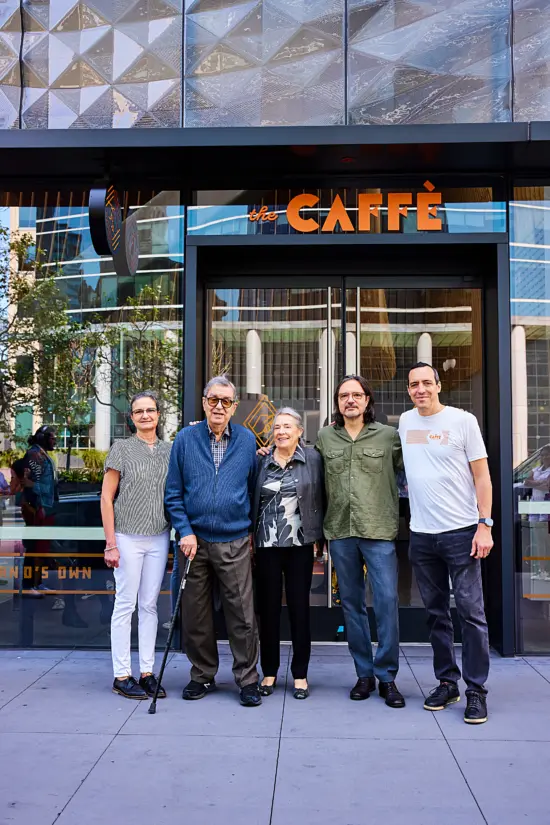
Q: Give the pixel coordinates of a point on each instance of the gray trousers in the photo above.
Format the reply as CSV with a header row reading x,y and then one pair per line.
x,y
229,562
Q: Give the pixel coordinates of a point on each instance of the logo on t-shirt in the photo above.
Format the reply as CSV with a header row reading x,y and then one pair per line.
x,y
428,437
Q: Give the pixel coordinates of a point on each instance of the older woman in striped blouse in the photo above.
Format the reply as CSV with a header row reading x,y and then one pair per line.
x,y
137,538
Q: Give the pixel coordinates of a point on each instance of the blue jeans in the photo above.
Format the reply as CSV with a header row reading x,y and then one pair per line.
x,y
434,558
349,556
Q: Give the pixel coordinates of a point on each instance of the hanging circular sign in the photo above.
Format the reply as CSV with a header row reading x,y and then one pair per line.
x,y
105,215
126,257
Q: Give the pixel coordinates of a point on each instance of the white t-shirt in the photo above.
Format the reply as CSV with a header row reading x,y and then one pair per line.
x,y
437,450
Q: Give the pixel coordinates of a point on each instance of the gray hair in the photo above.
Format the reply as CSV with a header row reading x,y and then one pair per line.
x,y
293,414
145,394
222,380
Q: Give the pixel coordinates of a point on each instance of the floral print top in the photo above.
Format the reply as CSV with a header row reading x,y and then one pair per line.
x,y
279,522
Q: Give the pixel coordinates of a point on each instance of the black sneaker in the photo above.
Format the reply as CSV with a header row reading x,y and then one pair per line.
x,y
251,696
476,709
149,685
198,690
363,688
129,688
446,693
389,692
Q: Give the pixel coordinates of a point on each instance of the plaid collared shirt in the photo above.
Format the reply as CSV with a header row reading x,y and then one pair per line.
x,y
219,447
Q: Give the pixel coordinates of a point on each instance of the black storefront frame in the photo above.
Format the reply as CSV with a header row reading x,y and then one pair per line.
x,y
502,606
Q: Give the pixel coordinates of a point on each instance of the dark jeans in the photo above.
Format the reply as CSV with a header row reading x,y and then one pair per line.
x,y
296,564
349,556
435,558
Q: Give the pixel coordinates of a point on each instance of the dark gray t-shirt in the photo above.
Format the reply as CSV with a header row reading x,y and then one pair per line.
x,y
139,506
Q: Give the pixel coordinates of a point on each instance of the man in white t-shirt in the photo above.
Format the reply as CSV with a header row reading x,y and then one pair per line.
x,y
450,496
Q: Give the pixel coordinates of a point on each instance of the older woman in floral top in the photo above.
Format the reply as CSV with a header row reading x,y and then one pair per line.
x,y
288,510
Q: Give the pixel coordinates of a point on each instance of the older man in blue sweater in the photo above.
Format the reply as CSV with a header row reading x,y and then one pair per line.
x,y
209,488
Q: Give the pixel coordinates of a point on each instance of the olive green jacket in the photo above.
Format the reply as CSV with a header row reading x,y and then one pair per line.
x,y
362,493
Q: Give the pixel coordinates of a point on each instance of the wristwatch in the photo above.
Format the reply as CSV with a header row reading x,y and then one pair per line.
x,y
487,521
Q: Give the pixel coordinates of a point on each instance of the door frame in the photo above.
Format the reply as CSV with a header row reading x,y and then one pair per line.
x,y
499,570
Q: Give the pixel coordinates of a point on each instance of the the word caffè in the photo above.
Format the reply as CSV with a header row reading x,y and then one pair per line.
x,y
369,206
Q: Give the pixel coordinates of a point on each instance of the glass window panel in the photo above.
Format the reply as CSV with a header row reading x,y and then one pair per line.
x,y
530,316
81,389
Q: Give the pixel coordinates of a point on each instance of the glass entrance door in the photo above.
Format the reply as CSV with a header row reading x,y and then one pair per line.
x,y
289,346
387,331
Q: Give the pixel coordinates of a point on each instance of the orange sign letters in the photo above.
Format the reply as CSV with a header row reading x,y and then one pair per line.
x,y
368,205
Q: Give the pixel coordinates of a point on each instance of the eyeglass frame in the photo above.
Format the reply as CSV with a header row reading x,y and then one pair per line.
x,y
219,401
141,413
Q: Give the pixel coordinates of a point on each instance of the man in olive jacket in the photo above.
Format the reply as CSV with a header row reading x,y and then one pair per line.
x,y
361,458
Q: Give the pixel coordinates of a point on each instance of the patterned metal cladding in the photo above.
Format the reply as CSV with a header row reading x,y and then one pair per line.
x,y
119,63
264,62
531,60
443,61
102,64
10,75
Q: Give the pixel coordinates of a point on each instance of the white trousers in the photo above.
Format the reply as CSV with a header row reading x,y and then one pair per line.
x,y
138,577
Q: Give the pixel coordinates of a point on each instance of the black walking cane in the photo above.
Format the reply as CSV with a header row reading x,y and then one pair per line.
x,y
153,705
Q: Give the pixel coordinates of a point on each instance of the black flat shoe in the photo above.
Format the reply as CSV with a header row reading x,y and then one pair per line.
x,y
198,690
301,693
363,689
128,688
149,685
250,696
389,692
267,690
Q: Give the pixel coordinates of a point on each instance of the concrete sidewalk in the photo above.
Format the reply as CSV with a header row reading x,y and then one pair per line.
x,y
73,753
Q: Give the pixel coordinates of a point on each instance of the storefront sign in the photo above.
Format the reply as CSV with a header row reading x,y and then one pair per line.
x,y
110,234
369,205
105,220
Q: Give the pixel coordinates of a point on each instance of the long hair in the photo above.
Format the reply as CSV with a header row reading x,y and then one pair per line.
x,y
40,436
369,415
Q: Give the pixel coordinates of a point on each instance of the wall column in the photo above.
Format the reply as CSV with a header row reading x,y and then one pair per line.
x,y
351,353
519,395
103,401
253,363
424,348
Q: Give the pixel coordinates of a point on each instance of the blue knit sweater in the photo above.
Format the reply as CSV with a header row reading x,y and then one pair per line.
x,y
213,506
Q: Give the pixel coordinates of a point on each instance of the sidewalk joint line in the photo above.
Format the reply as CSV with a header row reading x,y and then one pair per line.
x,y
531,665
279,743
32,684
451,751
101,755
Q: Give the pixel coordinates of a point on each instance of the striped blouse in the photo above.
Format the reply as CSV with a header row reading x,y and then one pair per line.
x,y
139,505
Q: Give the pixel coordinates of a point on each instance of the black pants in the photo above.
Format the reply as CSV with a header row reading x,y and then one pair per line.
x,y
435,558
296,563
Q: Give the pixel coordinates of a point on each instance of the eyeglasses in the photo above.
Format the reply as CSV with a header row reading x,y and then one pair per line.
x,y
357,396
141,413
213,402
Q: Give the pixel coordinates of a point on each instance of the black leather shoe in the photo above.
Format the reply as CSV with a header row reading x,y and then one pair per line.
x,y
198,690
129,688
389,692
476,708
149,685
300,693
267,690
363,688
250,696
446,693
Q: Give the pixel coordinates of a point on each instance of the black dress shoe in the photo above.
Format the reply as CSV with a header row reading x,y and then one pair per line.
x,y
129,688
389,692
267,690
149,685
198,690
363,689
251,696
